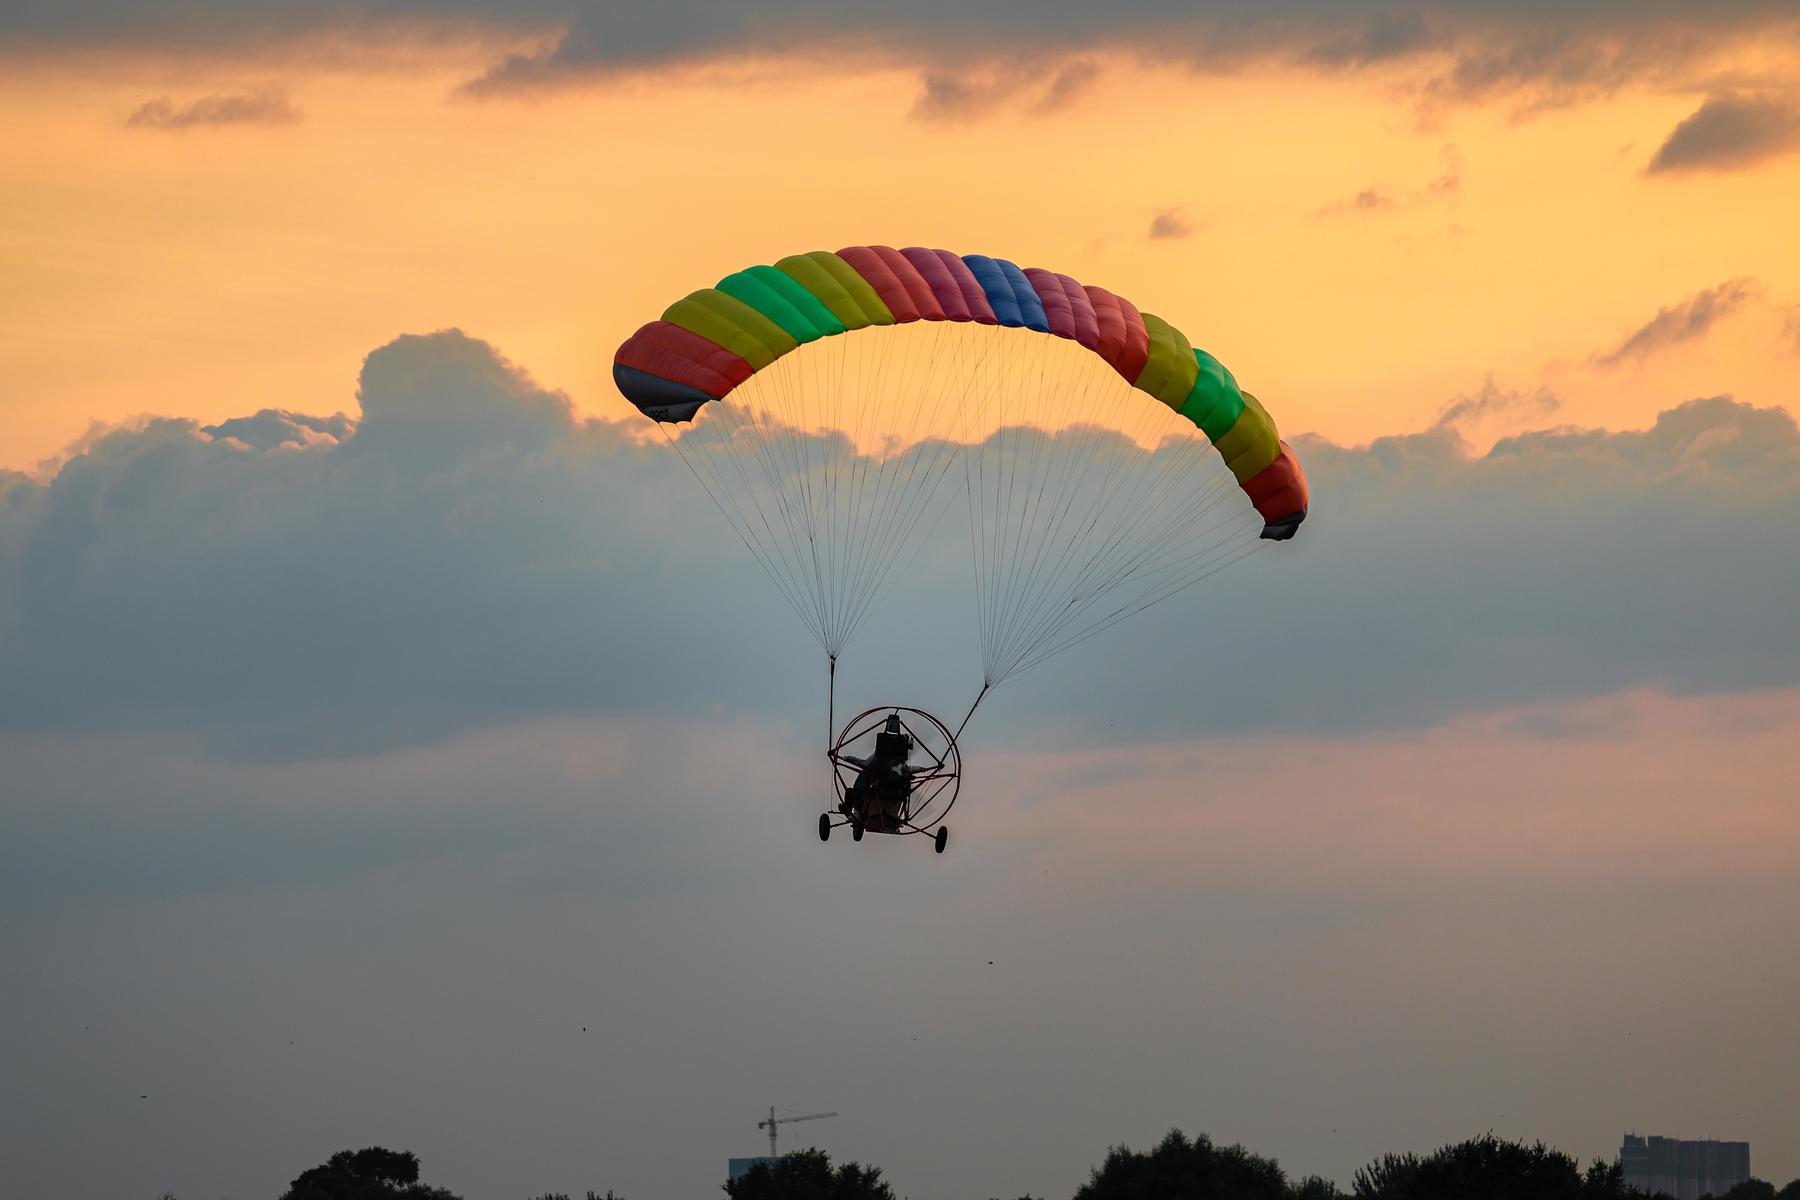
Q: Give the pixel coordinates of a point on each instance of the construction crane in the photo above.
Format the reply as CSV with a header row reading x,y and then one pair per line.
x,y
774,1120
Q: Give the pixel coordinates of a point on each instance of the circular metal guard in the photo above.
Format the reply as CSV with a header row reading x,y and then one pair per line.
x,y
935,766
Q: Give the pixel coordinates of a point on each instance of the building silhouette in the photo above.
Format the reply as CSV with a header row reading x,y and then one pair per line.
x,y
1682,1168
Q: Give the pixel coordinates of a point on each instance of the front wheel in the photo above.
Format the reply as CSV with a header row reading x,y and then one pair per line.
x,y
856,830
824,827
942,839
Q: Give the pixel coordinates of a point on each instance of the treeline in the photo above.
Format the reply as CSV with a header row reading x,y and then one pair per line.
x,y
1183,1168
1177,1168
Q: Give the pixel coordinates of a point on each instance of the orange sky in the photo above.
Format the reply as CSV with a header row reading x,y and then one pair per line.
x,y
213,271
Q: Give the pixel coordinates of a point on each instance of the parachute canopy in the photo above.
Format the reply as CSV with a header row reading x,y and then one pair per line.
x,y
713,340
835,458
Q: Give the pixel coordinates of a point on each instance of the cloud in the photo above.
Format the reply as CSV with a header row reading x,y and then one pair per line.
x,y
1447,185
1444,188
1071,81
945,96
467,554
1170,223
257,108
1565,61
1368,200
1537,56
1729,133
1686,321
271,429
347,563
1491,403
966,95
1460,52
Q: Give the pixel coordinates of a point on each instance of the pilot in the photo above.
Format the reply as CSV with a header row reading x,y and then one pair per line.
x,y
883,781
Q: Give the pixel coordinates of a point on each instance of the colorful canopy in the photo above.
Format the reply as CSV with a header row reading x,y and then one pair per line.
x,y
714,339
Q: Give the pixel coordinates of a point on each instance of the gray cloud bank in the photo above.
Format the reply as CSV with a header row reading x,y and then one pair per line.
x,y
1478,49
468,554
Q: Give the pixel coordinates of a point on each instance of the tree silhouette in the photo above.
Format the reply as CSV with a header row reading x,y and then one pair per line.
x,y
1606,1181
809,1175
372,1173
1191,1170
1751,1189
1487,1168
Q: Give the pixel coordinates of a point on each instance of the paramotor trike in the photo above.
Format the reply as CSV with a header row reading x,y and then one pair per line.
x,y
894,770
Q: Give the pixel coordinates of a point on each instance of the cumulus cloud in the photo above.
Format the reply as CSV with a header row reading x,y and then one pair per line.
x,y
1688,320
1170,223
1728,133
325,577
467,553
271,428
255,108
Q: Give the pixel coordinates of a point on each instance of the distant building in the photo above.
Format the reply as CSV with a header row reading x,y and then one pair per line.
x,y
737,1168
1684,1169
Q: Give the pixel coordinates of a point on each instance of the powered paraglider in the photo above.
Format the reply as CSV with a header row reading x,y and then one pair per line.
x,y
1105,466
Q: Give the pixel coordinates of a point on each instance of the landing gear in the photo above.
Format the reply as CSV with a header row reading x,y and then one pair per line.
x,y
938,835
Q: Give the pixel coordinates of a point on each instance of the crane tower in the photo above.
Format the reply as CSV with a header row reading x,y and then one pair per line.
x,y
775,1121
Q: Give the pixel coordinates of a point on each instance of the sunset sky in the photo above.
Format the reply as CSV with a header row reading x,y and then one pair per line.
x,y
361,753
